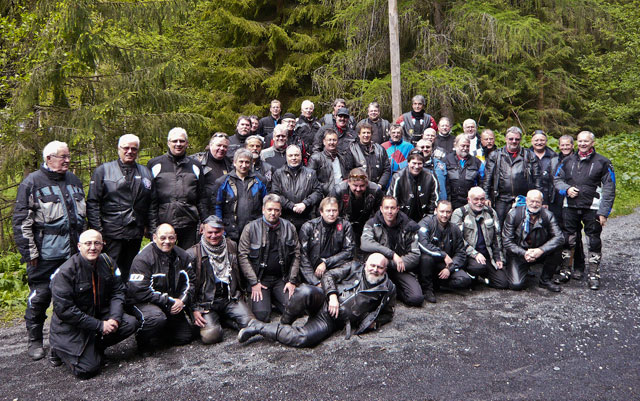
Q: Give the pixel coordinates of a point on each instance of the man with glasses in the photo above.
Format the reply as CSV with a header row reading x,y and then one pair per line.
x,y
275,155
510,171
356,296
48,218
159,291
180,188
463,172
346,134
88,308
122,204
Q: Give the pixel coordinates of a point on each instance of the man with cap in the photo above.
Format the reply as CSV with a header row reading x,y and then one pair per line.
x,y
330,118
217,286
346,135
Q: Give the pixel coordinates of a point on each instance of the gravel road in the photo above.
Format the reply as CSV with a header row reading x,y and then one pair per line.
x,y
481,344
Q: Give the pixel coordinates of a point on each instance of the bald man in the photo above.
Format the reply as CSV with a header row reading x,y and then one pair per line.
x,y
531,235
160,289
363,297
88,299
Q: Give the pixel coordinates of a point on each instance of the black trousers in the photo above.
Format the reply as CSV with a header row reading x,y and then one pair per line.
x,y
320,325
502,209
273,294
234,313
578,255
158,326
38,278
517,268
187,237
407,286
497,277
122,251
430,268
88,363
574,219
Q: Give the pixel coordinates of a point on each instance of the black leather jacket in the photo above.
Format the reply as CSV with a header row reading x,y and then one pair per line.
x,y
149,281
372,200
461,179
405,188
120,210
375,238
345,138
361,304
204,284
210,177
437,241
295,187
83,297
180,190
595,179
323,166
253,250
374,161
510,177
545,233
313,235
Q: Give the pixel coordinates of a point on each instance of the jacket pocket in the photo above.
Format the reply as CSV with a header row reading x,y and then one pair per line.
x,y
84,293
51,208
81,205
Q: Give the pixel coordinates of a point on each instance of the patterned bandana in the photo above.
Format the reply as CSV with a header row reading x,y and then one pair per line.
x,y
219,259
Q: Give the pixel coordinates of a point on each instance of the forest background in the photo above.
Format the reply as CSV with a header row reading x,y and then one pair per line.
x,y
89,71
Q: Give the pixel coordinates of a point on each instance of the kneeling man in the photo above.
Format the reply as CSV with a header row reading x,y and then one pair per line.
x,y
88,298
217,285
359,297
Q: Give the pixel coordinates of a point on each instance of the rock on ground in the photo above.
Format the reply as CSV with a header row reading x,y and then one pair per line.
x,y
481,344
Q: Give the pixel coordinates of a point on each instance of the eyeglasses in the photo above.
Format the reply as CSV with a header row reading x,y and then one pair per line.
x,y
97,244
64,157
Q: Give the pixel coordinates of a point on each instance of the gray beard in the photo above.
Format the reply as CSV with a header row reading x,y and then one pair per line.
x,y
371,280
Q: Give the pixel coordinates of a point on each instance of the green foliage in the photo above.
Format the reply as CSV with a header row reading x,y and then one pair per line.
x,y
623,151
13,285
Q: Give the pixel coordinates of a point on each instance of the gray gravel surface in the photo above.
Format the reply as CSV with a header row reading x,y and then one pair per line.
x,y
481,344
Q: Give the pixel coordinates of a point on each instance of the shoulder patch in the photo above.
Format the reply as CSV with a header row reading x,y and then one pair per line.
x,y
423,229
196,171
155,170
136,277
146,182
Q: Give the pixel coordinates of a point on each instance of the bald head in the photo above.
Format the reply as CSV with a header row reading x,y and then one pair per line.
x,y
165,237
534,200
90,245
375,268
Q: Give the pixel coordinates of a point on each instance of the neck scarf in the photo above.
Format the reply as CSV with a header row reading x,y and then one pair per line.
x,y
331,153
417,115
585,155
219,259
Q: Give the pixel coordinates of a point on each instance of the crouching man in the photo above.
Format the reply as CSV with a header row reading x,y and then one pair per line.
x,y
358,297
160,288
88,299
217,285
531,235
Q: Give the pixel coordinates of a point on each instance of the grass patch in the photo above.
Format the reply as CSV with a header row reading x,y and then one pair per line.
x,y
13,286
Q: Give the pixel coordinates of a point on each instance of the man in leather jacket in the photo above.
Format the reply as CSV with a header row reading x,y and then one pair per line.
x,y
391,233
371,157
238,198
463,172
415,121
122,204
160,288
442,252
326,242
215,164
180,188
269,257
88,315
48,218
509,172
217,286
379,126
358,200
531,235
298,187
331,166
360,298
346,134
307,125
415,188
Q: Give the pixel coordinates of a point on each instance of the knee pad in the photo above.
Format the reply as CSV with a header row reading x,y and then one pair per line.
x,y
211,335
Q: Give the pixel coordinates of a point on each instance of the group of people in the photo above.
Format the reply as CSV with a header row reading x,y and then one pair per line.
x,y
321,217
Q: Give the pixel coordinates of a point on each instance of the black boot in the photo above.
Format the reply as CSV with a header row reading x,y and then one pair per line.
x,y
253,328
549,285
565,269
35,349
54,359
594,270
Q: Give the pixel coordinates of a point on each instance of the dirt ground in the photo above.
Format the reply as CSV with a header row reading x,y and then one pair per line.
x,y
481,344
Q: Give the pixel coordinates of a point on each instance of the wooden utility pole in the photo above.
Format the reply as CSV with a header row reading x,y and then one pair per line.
x,y
394,50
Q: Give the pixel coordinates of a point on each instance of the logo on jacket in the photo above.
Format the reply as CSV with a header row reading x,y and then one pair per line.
x,y
146,182
339,226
